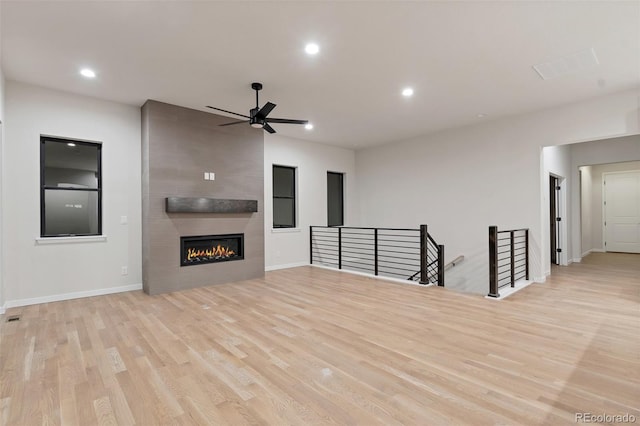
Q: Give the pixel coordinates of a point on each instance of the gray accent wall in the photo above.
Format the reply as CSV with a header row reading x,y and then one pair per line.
x,y
178,146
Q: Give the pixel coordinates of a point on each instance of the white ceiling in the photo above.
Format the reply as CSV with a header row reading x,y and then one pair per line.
x,y
462,58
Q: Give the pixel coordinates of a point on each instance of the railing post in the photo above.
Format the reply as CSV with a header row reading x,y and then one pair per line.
x,y
424,241
512,258
339,248
526,254
310,245
440,265
493,261
375,251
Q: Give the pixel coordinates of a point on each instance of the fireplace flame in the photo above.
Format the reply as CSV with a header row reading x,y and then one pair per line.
x,y
213,252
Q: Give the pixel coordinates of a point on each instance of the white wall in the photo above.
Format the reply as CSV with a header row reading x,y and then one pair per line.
x,y
2,120
35,272
461,181
605,151
291,247
586,202
556,161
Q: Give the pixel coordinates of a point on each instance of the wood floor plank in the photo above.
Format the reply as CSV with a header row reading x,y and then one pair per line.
x,y
310,346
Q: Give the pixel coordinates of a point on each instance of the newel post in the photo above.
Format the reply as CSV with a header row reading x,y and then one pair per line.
x,y
424,241
493,261
440,265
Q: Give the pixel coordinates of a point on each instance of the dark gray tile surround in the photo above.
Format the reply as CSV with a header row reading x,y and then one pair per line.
x,y
178,146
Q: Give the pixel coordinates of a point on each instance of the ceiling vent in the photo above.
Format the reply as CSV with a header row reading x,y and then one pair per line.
x,y
570,64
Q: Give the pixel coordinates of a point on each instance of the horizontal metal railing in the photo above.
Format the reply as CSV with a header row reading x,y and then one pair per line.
x,y
508,258
393,252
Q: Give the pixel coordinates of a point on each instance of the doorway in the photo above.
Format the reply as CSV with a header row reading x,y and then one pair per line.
x,y
554,220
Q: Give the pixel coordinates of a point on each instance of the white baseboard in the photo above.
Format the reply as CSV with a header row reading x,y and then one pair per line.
x,y
578,260
68,296
285,266
586,253
378,277
510,290
3,309
540,279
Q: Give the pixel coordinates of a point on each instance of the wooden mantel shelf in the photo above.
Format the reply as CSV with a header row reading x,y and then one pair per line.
x,y
209,205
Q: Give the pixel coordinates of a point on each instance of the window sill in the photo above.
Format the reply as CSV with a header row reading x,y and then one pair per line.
x,y
284,230
71,240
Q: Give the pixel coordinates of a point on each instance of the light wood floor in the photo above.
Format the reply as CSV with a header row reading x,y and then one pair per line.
x,y
310,346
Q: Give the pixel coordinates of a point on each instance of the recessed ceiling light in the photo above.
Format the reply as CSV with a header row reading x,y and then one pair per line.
x,y
71,144
308,126
407,92
481,115
312,48
88,73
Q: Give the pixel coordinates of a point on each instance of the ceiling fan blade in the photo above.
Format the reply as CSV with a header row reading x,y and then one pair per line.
x,y
235,122
265,110
268,128
287,121
228,112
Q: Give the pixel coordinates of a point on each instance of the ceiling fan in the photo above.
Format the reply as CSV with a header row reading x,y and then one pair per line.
x,y
258,116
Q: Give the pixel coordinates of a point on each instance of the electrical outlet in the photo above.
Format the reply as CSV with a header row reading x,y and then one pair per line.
x,y
125,270
206,175
212,176
123,220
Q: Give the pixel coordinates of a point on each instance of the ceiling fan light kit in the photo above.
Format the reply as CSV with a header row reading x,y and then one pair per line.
x,y
257,117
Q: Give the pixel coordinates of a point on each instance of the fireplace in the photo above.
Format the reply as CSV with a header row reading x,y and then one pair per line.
x,y
198,250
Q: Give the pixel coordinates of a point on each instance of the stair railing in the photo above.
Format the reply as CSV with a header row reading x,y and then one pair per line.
x,y
393,252
508,258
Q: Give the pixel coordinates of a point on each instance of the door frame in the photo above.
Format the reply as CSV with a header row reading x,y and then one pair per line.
x,y
561,210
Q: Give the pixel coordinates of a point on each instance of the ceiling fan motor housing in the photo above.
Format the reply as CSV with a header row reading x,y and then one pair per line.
x,y
254,120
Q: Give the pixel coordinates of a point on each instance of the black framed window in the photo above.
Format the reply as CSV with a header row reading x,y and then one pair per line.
x,y
284,197
335,199
70,187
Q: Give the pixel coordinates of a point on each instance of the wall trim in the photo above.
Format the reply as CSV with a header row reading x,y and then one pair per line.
x,y
510,290
72,240
69,296
377,277
285,266
3,309
540,279
586,253
284,230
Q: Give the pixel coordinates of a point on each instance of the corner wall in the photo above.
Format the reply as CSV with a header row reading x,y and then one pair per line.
x,y
36,273
2,121
592,153
461,181
290,247
593,229
556,161
586,216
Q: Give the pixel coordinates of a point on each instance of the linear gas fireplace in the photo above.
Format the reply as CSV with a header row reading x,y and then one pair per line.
x,y
202,249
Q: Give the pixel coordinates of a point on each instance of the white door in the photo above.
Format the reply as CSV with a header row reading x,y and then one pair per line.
x,y
622,211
